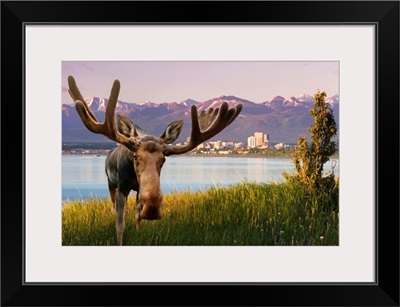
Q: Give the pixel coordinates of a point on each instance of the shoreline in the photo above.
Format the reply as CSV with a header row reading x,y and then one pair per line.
x,y
202,155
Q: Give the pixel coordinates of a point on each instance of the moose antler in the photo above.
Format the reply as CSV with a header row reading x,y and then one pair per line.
x,y
205,126
107,128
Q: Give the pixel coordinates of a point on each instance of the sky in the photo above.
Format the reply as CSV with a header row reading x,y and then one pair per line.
x,y
176,81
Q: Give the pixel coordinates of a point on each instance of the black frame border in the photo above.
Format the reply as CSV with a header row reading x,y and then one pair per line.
x,y
16,14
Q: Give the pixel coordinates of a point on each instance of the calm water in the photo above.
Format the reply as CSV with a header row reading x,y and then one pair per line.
x,y
84,176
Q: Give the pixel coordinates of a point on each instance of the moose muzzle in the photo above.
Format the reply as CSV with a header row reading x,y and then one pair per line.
x,y
151,206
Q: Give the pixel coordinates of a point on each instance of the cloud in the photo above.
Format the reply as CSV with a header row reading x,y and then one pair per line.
x,y
86,66
68,66
76,65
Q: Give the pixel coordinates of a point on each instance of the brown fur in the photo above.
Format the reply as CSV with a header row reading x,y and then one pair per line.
x,y
136,164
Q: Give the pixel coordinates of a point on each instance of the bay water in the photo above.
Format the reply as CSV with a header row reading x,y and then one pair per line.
x,y
83,176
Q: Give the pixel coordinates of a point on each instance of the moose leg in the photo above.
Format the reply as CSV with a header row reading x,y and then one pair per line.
x,y
138,219
113,197
121,205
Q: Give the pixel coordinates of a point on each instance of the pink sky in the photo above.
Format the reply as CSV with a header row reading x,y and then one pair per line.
x,y
161,81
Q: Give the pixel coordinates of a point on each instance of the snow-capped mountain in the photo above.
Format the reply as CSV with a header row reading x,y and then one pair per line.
x,y
188,102
304,98
283,118
332,100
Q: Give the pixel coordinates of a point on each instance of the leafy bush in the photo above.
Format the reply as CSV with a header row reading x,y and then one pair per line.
x,y
309,159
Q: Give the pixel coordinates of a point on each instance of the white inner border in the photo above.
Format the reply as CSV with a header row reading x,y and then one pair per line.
x,y
48,261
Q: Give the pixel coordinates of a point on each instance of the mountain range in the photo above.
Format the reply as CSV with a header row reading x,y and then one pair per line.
x,y
284,119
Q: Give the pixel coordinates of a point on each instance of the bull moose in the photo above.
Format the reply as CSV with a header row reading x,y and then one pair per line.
x,y
136,165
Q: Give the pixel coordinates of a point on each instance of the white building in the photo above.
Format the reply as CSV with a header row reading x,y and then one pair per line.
x,y
266,139
259,139
216,144
251,141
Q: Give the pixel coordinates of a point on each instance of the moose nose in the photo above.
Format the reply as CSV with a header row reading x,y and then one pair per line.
x,y
151,213
151,206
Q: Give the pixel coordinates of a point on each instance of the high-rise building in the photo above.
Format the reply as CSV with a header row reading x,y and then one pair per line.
x,y
266,139
251,141
259,138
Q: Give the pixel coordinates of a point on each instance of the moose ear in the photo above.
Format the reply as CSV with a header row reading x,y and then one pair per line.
x,y
126,126
172,132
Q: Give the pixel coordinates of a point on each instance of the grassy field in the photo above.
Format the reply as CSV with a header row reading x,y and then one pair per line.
x,y
246,214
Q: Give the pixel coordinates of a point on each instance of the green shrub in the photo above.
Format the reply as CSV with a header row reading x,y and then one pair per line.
x,y
309,159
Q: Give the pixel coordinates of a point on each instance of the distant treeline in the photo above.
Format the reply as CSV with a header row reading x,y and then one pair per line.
x,y
92,145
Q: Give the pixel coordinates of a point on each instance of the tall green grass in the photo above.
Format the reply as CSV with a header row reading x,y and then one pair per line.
x,y
247,214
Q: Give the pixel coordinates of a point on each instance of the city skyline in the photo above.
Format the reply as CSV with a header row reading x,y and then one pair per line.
x,y
176,81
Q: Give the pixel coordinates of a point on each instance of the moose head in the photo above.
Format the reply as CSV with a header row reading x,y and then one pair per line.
x,y
136,164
